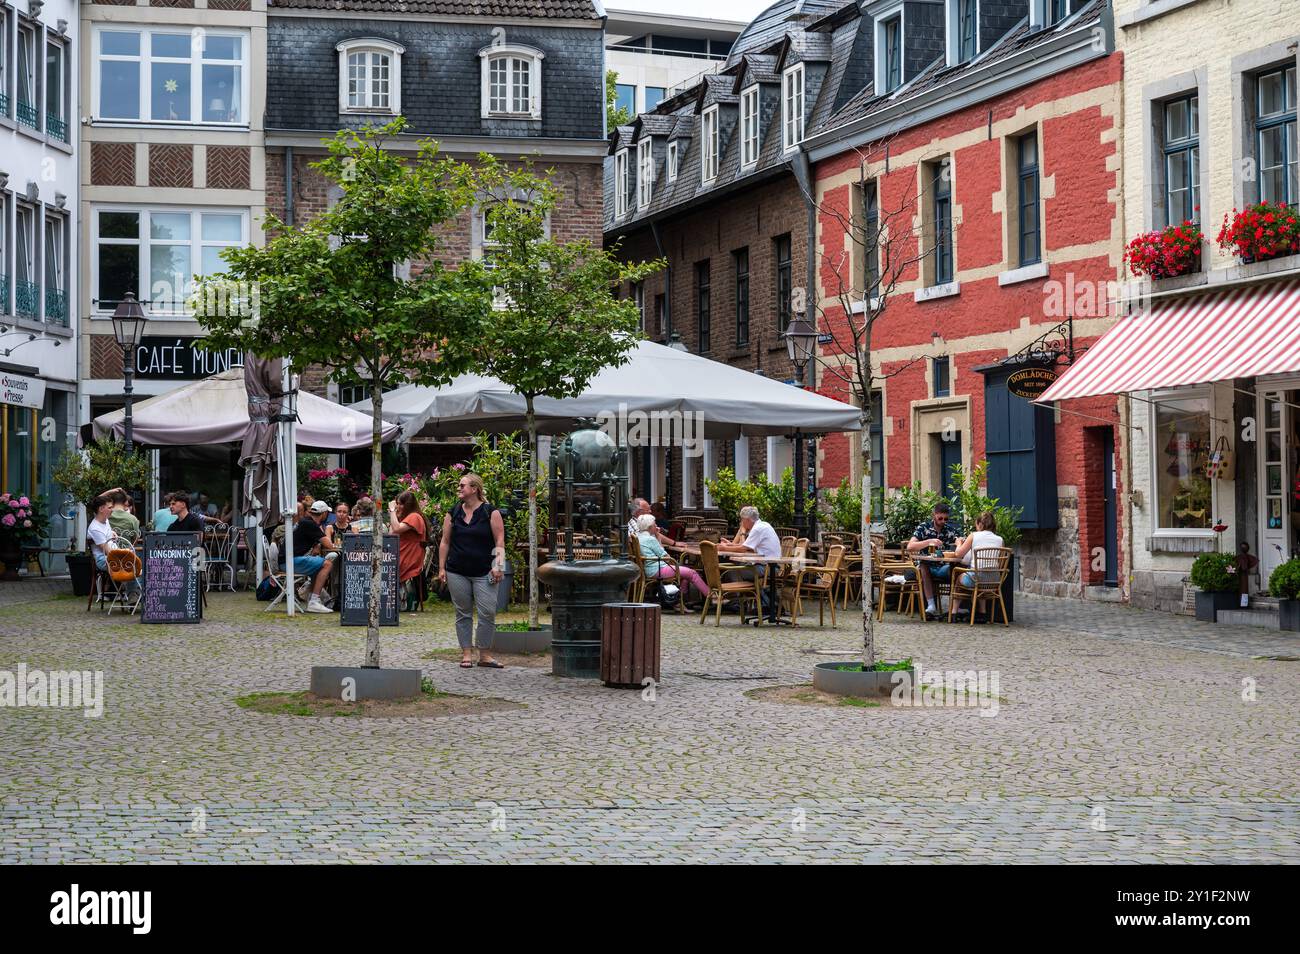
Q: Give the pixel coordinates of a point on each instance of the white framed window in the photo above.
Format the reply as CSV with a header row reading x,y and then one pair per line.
x,y
709,145
56,265
1181,444
512,82
672,161
890,26
620,183
56,89
166,76
645,172
4,251
26,109
26,289
154,253
749,126
963,31
4,77
370,76
792,107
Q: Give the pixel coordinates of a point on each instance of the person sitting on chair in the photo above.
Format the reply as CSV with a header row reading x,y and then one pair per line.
x,y
653,554
640,508
755,536
120,518
187,521
937,532
313,554
985,536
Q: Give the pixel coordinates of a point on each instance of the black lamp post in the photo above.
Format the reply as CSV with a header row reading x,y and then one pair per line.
x,y
800,344
128,328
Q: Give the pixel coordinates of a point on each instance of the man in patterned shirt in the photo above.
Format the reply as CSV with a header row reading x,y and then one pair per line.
x,y
939,532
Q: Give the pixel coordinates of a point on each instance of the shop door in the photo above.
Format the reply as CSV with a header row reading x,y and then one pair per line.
x,y
949,460
1110,511
1278,449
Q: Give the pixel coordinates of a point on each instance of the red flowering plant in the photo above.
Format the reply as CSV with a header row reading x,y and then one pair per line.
x,y
330,485
1261,231
1173,251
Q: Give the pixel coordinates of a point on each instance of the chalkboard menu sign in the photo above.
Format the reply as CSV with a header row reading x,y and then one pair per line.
x,y
355,589
171,578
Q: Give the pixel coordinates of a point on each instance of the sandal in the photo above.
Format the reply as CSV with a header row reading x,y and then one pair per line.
x,y
467,664
491,664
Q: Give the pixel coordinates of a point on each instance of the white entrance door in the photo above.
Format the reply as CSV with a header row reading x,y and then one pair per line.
x,y
1277,473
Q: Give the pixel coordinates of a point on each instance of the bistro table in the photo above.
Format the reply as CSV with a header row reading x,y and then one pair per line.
x,y
753,559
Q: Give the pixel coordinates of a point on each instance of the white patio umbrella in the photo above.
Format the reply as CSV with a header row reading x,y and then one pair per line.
x,y
659,380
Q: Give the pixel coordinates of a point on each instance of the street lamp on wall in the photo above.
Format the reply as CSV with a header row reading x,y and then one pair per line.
x,y
800,345
128,329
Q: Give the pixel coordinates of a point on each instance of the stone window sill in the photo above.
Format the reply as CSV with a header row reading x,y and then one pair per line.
x,y
1023,274
1178,543
934,292
1151,11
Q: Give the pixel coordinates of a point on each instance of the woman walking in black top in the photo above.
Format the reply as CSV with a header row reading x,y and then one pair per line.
x,y
471,561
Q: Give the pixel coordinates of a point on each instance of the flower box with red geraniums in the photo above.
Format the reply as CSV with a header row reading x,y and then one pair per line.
x,y
1261,231
1173,251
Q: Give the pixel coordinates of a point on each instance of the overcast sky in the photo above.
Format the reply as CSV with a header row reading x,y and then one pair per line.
x,y
739,10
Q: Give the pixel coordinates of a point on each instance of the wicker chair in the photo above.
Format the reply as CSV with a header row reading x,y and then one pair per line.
x,y
885,567
989,567
719,591
820,582
788,587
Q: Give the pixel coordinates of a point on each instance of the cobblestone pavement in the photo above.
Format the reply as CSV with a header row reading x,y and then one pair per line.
x,y
1121,736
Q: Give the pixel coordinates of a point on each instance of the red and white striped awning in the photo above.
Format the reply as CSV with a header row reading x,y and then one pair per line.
x,y
1214,336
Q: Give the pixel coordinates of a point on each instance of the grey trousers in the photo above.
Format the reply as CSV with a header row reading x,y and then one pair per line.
x,y
468,593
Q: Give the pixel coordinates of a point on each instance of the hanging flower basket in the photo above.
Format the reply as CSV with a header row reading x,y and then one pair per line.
x,y
1261,231
1173,251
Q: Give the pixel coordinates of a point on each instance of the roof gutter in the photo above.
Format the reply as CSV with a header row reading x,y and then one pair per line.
x,y
1070,49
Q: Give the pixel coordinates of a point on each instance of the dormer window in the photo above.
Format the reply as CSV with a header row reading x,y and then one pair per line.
x,y
963,31
621,183
749,126
512,82
672,161
645,172
889,53
370,76
709,153
792,107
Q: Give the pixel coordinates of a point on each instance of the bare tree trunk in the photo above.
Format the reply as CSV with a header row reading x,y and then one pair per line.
x,y
532,515
868,617
377,535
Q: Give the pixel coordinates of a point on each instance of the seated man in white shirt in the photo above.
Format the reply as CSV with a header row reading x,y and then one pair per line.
x,y
759,538
641,507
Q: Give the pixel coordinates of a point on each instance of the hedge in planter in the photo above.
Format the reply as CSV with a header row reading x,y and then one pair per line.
x,y
1215,577
1284,585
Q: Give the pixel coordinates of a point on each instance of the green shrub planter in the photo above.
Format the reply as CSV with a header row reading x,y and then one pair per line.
x,y
829,677
522,641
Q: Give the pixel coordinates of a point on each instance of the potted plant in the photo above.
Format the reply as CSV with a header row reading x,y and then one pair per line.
x,y
1260,232
1174,250
1284,585
1215,577
20,524
518,638
87,473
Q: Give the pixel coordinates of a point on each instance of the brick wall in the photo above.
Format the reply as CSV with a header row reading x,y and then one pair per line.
x,y
1076,114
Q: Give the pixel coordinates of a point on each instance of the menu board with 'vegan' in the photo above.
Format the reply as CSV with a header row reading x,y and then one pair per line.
x,y
354,597
171,578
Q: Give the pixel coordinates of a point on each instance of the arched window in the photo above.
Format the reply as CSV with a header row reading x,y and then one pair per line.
x,y
512,82
370,76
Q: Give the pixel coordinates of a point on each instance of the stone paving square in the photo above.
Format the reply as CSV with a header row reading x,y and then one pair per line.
x,y
1122,736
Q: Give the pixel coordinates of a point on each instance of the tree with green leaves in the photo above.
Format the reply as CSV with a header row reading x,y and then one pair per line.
x,y
334,292
557,323
615,115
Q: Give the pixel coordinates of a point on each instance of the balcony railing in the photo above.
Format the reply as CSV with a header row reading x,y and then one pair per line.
x,y
4,105
28,114
27,299
56,307
4,294
56,128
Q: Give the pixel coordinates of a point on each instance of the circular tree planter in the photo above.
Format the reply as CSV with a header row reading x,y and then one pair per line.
x,y
829,677
522,641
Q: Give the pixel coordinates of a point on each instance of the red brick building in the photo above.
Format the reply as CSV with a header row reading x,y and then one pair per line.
x,y
996,165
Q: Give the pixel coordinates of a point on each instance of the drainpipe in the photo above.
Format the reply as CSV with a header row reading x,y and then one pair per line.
x,y
288,185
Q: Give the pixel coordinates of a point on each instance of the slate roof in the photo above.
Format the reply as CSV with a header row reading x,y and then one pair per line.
x,y
827,38
555,9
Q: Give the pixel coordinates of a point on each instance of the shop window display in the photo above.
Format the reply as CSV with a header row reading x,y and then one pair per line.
x,y
1182,450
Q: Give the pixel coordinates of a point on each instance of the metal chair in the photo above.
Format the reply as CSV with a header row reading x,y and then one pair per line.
x,y
218,546
989,568
124,568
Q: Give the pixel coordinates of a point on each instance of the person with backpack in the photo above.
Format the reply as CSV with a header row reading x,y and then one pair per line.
x,y
471,562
